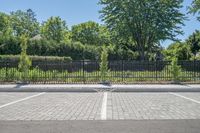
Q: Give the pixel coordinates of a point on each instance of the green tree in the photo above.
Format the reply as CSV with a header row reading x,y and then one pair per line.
x,y
194,42
8,42
54,29
5,22
104,64
195,8
143,23
25,62
5,29
179,50
25,23
90,33
175,70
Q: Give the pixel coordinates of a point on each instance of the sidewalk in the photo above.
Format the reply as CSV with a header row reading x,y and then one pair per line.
x,y
98,87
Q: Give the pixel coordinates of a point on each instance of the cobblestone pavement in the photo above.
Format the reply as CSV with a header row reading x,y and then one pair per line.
x,y
195,96
9,97
92,106
55,106
151,106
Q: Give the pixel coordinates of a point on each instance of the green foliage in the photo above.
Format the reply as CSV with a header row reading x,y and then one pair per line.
x,y
5,22
24,23
5,30
90,33
25,62
175,70
11,45
133,31
179,50
195,8
54,29
187,50
37,75
194,42
104,64
144,23
75,50
47,59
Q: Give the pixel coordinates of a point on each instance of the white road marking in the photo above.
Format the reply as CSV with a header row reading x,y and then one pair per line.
x,y
2,106
104,107
178,95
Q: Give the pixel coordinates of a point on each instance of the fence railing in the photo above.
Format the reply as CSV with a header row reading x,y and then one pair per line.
x,y
88,72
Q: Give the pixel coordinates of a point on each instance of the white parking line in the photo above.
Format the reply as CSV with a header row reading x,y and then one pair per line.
x,y
185,97
2,106
104,107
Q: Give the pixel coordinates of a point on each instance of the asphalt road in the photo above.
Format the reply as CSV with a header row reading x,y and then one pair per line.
x,y
99,112
131,126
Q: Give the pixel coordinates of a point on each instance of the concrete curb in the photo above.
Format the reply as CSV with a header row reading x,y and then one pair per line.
x,y
158,88
95,88
98,88
43,88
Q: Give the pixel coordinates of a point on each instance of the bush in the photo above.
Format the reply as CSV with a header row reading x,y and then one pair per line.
x,y
24,62
10,46
35,58
75,50
104,64
175,70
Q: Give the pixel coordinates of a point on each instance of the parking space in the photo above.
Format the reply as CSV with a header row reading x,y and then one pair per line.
x,y
55,106
139,106
10,97
99,106
195,96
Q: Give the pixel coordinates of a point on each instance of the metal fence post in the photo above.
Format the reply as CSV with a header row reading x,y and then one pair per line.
x,y
45,70
6,70
195,70
122,70
156,70
83,71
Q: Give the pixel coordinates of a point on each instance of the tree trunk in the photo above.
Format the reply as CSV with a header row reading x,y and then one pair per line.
x,y
142,55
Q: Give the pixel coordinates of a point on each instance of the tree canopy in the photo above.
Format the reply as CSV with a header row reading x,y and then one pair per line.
x,y
194,42
25,23
195,8
54,29
144,22
90,33
178,50
132,30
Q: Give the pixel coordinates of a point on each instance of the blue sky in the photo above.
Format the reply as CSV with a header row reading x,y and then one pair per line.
x,y
78,11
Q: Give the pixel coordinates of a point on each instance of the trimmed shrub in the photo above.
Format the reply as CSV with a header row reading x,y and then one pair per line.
x,y
104,64
35,58
24,61
175,70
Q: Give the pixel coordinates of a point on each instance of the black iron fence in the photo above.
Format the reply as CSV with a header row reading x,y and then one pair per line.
x,y
88,72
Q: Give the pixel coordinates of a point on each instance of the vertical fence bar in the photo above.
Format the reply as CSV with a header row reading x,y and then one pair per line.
x,y
88,71
45,72
122,69
83,65
195,71
6,70
157,70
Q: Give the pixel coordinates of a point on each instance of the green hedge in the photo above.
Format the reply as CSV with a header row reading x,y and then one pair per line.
x,y
75,50
35,58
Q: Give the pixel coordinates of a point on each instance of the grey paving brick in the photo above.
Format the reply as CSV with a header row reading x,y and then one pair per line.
x,y
6,97
152,106
195,96
55,106
87,106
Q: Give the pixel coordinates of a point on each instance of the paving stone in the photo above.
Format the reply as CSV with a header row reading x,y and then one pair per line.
x,y
6,97
152,106
87,106
55,106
